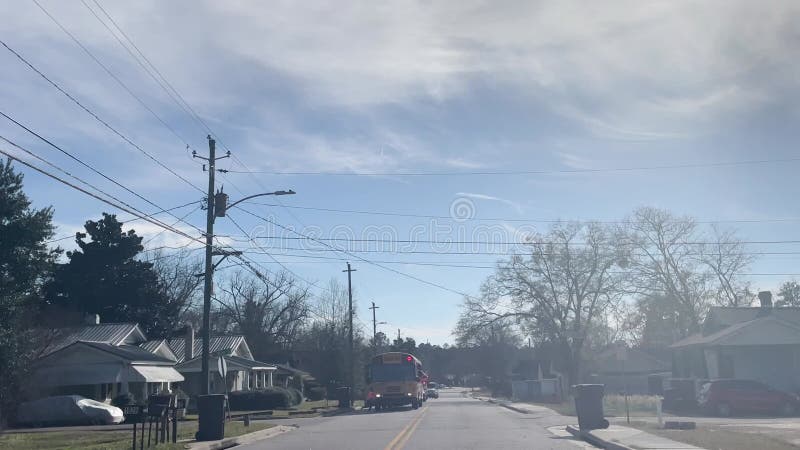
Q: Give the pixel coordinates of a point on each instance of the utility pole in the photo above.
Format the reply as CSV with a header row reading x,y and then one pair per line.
x,y
398,334
350,359
374,323
209,268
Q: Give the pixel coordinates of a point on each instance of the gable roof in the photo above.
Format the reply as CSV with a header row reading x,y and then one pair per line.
x,y
727,335
129,353
219,344
104,333
725,316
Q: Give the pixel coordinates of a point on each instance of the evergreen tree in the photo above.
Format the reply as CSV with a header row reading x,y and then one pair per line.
x,y
104,277
25,262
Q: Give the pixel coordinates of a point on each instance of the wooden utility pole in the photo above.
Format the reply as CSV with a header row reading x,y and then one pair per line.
x,y
374,324
209,276
209,266
351,358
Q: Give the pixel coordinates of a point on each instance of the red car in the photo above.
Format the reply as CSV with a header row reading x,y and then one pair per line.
x,y
724,397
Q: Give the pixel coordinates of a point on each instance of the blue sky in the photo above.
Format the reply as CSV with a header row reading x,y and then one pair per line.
x,y
401,87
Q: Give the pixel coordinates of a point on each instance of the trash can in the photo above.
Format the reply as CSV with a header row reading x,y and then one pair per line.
x,y
589,406
343,395
211,423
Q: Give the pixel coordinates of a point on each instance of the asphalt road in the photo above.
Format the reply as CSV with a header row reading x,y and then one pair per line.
x,y
453,421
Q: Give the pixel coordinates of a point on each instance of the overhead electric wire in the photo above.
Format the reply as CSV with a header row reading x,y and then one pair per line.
x,y
360,258
88,166
504,219
535,172
86,183
109,72
127,221
103,122
98,197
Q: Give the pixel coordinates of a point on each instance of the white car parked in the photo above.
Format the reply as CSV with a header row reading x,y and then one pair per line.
x,y
68,410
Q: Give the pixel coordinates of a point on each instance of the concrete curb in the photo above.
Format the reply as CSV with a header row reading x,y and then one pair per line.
x,y
243,439
596,441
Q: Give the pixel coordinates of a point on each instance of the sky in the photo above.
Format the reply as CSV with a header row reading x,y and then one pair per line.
x,y
344,102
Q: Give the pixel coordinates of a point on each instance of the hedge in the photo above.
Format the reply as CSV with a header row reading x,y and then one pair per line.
x,y
316,393
297,396
269,398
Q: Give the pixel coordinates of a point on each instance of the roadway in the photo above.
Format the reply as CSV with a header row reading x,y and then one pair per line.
x,y
453,421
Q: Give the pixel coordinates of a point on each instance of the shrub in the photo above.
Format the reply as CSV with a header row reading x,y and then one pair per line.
x,y
270,398
297,396
316,393
123,400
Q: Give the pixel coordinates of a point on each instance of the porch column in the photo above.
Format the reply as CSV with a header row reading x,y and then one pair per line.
x,y
269,374
263,378
125,388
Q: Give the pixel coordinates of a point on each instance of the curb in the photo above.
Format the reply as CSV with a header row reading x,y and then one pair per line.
x,y
243,439
514,408
596,441
339,411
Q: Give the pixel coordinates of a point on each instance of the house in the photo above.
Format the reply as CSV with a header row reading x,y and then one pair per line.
x,y
758,343
624,369
243,372
101,361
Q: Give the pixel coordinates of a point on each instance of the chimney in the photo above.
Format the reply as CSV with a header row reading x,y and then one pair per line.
x,y
766,299
188,347
91,319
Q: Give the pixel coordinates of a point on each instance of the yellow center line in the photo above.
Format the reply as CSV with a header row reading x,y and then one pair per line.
x,y
400,440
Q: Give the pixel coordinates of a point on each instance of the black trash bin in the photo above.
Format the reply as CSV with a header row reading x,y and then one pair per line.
x,y
211,423
589,406
343,395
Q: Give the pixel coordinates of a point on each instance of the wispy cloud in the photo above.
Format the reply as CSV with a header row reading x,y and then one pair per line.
x,y
517,207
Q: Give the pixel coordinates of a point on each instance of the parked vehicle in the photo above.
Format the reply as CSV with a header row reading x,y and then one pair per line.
x,y
68,410
725,397
432,393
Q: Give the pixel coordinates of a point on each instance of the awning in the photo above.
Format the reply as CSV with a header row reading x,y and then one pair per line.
x,y
153,374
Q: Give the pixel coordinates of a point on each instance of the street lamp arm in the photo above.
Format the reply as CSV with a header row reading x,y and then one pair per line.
x,y
289,192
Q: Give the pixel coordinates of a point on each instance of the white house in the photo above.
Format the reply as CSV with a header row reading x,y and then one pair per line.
x,y
100,361
757,343
244,373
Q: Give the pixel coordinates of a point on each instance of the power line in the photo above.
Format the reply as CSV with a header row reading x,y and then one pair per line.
x,y
93,195
512,243
125,221
80,180
88,166
103,122
535,172
503,219
360,258
109,72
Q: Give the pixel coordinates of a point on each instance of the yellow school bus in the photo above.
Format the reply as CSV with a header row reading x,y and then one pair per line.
x,y
395,379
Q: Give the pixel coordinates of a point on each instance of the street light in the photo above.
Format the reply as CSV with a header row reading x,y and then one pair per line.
x,y
227,207
217,207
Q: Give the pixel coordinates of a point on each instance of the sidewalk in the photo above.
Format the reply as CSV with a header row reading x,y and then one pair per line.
x,y
240,440
615,437
618,437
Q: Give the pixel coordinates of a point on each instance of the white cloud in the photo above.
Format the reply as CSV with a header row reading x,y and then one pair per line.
x,y
492,198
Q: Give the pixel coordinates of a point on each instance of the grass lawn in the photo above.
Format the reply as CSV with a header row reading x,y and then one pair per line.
x,y
716,437
613,405
108,440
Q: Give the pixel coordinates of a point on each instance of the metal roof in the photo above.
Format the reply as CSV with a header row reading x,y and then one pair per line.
x,y
720,336
105,333
225,343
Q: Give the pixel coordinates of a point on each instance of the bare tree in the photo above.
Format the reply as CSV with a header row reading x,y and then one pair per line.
x,y
664,260
178,274
556,295
268,311
726,258
672,259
